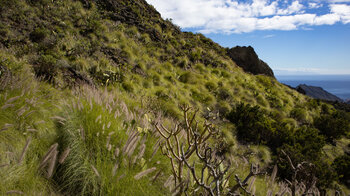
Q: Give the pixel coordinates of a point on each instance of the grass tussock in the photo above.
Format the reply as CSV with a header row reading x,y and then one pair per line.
x,y
82,88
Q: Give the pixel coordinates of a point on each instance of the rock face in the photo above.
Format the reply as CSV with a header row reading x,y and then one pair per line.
x,y
317,93
246,58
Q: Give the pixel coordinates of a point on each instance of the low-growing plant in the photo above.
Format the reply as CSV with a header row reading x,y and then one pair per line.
x,y
334,125
342,166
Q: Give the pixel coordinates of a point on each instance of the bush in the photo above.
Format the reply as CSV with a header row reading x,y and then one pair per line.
x,y
46,67
334,125
342,166
38,35
253,126
304,145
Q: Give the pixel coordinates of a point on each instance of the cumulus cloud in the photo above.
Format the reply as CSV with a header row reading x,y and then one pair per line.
x,y
231,16
314,5
342,10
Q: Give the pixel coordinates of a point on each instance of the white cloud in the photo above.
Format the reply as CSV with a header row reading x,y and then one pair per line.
x,y
327,19
314,5
310,71
229,16
269,36
342,10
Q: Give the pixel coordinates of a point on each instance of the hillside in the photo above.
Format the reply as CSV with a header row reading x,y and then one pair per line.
x,y
105,97
317,93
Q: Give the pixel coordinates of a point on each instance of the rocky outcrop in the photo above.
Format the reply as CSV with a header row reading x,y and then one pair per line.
x,y
136,13
246,58
317,93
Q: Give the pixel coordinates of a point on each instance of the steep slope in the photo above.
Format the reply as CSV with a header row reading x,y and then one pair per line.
x,y
86,85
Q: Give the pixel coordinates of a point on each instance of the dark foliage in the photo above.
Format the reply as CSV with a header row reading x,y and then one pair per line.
x,y
342,167
303,144
334,125
253,126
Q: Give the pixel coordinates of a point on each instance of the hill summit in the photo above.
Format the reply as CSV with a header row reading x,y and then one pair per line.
x,y
246,58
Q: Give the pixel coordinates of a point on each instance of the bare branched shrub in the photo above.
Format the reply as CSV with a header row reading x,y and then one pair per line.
x,y
305,187
186,143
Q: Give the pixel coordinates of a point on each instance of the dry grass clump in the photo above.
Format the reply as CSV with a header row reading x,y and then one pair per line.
x,y
114,147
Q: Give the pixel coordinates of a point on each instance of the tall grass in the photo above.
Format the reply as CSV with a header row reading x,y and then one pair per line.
x,y
115,152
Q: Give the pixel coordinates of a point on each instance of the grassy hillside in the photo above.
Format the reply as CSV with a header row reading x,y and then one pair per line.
x,y
86,85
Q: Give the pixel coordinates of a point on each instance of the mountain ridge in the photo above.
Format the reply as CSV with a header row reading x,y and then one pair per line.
x,y
317,93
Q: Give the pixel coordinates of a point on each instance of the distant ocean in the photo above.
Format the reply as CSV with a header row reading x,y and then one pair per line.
x,y
338,85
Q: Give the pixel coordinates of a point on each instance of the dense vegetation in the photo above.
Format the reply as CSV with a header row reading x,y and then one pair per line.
x,y
85,86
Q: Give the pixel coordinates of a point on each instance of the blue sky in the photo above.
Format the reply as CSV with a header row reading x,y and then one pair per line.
x,y
292,36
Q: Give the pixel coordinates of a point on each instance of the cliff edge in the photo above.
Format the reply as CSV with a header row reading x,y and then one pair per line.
x,y
248,60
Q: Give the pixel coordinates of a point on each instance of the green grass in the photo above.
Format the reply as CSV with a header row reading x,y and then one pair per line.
x,y
101,76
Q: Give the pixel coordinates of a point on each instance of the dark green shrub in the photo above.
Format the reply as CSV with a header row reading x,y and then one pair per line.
x,y
342,166
305,144
45,67
253,126
314,167
334,125
38,35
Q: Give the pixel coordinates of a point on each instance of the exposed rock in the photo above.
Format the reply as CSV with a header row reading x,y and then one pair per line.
x,y
246,58
317,93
